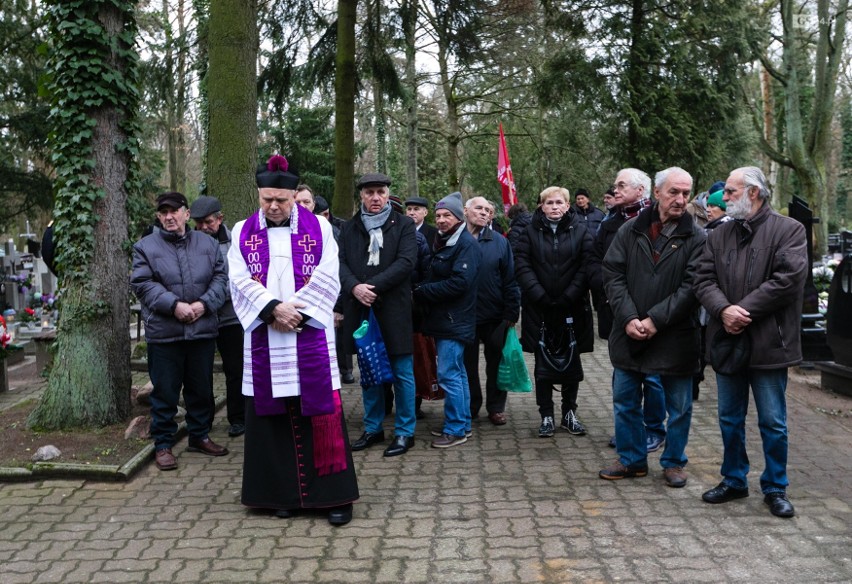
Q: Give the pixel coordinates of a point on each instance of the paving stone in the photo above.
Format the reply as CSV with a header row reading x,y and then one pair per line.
x,y
504,507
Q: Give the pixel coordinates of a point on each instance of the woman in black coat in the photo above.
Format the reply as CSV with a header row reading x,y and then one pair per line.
x,y
550,266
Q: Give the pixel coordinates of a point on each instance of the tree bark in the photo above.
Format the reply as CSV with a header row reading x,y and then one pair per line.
x,y
454,130
232,101
410,28
89,383
344,110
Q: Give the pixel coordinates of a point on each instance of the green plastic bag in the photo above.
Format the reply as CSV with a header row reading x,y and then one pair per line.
x,y
512,374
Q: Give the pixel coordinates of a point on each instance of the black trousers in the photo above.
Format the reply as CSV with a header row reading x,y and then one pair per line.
x,y
230,345
492,342
544,396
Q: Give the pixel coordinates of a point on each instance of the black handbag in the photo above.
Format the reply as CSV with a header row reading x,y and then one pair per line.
x,y
557,357
730,354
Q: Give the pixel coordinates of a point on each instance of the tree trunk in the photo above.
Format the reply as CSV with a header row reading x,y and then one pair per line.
x,y
232,100
410,28
344,110
201,11
454,131
808,140
633,77
89,383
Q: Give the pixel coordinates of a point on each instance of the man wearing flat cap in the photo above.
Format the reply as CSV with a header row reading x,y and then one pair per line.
x,y
378,252
207,214
418,208
284,283
179,278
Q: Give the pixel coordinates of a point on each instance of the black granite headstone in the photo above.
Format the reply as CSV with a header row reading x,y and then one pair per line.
x,y
814,346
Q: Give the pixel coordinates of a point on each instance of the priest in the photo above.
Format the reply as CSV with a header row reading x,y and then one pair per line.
x,y
284,283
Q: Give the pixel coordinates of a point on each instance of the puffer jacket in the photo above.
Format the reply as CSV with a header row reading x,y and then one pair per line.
x,y
551,269
637,288
448,295
168,269
760,264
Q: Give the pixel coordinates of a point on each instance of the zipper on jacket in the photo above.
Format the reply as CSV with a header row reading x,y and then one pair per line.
x,y
749,273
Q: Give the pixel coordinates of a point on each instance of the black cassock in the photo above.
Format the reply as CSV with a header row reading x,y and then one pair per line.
x,y
278,469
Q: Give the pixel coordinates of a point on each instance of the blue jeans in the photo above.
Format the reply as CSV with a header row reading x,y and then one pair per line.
x,y
187,364
453,378
769,387
654,406
630,434
374,399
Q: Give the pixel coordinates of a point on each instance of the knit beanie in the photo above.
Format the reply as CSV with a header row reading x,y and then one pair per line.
x,y
452,203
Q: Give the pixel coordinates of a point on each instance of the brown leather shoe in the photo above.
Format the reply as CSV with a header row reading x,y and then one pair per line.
x,y
165,460
675,477
497,418
206,446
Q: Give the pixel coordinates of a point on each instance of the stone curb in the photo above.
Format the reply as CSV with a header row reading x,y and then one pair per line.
x,y
91,472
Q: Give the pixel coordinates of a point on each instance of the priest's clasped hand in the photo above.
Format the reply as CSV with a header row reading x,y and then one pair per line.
x,y
287,316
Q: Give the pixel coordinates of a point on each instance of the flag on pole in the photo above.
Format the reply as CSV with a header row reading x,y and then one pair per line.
x,y
504,174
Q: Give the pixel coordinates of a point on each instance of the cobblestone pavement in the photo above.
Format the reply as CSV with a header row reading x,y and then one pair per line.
x,y
506,506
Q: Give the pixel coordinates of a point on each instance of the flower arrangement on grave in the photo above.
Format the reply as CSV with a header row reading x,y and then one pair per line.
x,y
27,315
6,345
823,274
24,281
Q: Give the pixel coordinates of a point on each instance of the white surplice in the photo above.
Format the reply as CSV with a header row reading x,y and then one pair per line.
x,y
319,296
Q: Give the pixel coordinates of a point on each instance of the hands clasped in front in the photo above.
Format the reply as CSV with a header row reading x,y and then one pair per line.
x,y
287,316
188,313
735,318
641,330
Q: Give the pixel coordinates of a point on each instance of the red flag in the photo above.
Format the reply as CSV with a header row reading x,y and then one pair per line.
x,y
504,174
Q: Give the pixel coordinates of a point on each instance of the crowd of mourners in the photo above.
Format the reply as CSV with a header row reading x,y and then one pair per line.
x,y
676,281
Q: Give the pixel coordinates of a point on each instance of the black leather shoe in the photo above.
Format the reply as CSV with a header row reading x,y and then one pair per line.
x,y
366,440
347,378
779,505
340,515
400,445
284,513
723,493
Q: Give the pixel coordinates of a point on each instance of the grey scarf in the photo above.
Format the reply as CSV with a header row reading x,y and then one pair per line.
x,y
373,224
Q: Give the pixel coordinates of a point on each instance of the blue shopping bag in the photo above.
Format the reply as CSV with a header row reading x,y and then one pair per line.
x,y
373,361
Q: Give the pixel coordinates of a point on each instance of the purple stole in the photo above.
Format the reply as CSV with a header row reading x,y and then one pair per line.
x,y
319,401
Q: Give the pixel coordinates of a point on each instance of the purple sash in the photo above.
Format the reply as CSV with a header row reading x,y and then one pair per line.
x,y
312,349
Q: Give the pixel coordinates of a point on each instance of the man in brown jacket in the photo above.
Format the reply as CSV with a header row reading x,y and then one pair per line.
x,y
751,279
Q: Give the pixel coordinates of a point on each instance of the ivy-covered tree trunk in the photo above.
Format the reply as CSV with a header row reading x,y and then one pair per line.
x,y
93,88
232,101
344,110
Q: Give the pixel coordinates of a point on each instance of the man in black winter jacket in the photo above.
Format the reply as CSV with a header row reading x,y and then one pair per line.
x,y
378,253
648,274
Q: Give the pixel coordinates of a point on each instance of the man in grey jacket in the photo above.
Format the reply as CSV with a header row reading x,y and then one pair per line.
x,y
751,281
179,278
207,214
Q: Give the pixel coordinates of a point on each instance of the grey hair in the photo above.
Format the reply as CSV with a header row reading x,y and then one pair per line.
x,y
661,177
639,179
754,177
469,203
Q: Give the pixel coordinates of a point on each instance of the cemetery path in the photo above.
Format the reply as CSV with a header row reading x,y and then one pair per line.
x,y
506,506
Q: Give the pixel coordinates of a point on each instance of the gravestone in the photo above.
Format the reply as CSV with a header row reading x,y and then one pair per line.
x,y
814,346
837,375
